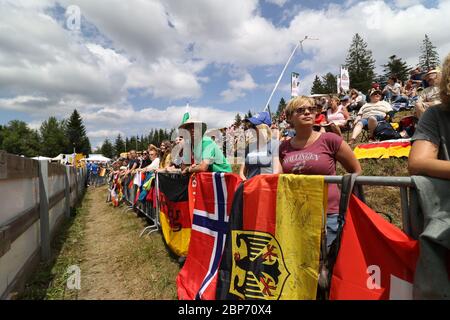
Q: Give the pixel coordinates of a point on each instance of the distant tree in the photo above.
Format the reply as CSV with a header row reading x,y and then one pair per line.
x,y
329,83
237,120
76,134
249,114
119,145
360,64
1,136
317,86
107,149
128,146
281,107
396,67
54,139
429,58
19,139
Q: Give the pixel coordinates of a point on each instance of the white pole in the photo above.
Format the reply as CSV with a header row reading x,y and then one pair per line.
x,y
284,69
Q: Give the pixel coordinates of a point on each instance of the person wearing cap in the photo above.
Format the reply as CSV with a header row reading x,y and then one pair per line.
x,y
261,147
370,113
429,153
205,154
429,96
315,153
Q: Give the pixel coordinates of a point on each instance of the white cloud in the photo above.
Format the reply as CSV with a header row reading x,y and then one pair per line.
x,y
279,3
407,3
237,88
164,48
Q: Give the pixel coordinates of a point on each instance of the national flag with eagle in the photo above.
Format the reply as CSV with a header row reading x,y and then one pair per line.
x,y
376,260
211,195
172,191
273,246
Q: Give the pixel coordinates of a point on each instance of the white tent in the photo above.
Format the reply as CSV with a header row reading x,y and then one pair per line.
x,y
96,157
42,158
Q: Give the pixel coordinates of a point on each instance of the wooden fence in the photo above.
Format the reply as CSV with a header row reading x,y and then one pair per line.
x,y
35,197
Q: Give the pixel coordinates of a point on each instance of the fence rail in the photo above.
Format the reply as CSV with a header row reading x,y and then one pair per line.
x,y
35,197
404,184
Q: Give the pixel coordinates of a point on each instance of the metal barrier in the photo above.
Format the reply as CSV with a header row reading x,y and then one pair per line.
x,y
403,183
145,208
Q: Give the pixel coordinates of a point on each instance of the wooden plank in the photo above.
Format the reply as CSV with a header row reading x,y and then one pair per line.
x,y
10,231
53,201
56,169
15,167
18,284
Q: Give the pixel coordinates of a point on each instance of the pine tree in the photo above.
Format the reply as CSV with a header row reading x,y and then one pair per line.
x,y
128,145
237,120
281,107
396,67
19,139
429,59
107,149
54,140
360,64
329,83
248,115
76,134
317,86
119,145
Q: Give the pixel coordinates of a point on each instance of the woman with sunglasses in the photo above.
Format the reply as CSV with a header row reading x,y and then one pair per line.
x,y
315,153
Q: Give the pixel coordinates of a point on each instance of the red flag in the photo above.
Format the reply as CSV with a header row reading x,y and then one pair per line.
x,y
376,260
212,196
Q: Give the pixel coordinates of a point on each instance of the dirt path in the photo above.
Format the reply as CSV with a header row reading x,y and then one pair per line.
x,y
116,263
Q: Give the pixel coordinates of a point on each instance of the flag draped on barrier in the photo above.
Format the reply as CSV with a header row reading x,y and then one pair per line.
x,y
211,196
174,211
376,260
273,246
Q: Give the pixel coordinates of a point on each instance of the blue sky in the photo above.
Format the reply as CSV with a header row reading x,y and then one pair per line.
x,y
134,65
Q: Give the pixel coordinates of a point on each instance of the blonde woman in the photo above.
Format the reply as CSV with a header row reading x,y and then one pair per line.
x,y
315,153
429,153
261,148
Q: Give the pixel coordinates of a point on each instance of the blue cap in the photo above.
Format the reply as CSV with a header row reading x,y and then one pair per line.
x,y
345,98
260,118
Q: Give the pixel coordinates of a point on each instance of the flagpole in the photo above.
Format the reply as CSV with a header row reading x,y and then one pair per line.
x,y
284,70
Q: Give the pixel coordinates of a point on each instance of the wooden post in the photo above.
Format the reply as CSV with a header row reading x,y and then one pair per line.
x,y
44,210
67,192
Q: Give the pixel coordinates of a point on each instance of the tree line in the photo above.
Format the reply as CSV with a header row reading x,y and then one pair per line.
x,y
139,143
51,139
361,66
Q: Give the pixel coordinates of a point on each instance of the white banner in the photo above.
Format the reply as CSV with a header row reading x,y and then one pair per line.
x,y
295,84
345,79
338,84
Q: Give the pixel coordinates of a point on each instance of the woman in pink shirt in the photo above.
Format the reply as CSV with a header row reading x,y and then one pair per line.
x,y
315,153
337,116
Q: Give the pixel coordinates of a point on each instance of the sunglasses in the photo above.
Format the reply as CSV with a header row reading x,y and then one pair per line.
x,y
302,110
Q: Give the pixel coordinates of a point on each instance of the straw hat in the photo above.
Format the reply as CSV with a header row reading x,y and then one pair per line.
x,y
193,122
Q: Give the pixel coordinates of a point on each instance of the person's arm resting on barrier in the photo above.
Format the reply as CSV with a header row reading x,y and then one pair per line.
x,y
424,154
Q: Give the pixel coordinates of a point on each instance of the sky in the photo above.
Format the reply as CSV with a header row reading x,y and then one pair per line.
x,y
129,66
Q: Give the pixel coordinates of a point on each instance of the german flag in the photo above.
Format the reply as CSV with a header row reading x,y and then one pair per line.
x,y
383,150
174,211
272,250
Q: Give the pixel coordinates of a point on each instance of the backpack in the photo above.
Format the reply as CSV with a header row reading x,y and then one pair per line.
x,y
384,131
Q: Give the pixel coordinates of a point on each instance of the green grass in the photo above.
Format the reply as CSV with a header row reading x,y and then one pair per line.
x,y
49,281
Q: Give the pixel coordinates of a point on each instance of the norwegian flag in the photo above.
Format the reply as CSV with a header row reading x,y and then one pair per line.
x,y
211,196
